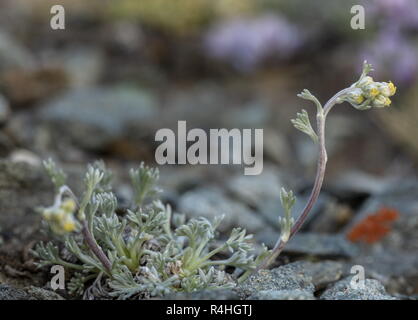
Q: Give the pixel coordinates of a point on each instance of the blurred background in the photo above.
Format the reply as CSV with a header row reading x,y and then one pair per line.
x,y
123,69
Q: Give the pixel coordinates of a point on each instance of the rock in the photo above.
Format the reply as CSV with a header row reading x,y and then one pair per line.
x,y
25,156
211,202
4,110
306,151
296,294
402,236
271,209
394,258
179,179
84,66
23,188
332,218
40,84
209,97
13,54
309,276
250,115
96,117
183,178
342,290
276,147
263,193
320,274
278,279
395,268
399,195
321,245
354,183
256,190
312,244
42,294
126,36
216,294
10,293
214,99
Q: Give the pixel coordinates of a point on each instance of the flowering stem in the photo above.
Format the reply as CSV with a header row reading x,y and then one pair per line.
x,y
86,230
320,173
92,244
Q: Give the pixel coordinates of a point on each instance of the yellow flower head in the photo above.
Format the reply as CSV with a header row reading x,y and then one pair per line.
x,y
68,225
47,214
356,96
367,93
392,88
61,217
359,99
68,205
387,89
372,90
381,101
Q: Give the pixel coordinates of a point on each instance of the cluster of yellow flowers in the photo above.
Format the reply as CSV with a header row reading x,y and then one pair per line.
x,y
366,93
61,217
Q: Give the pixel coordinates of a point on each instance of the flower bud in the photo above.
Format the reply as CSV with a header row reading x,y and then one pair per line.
x,y
365,81
371,90
356,96
381,101
68,205
387,89
47,214
68,225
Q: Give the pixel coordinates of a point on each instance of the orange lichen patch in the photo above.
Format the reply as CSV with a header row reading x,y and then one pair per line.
x,y
374,227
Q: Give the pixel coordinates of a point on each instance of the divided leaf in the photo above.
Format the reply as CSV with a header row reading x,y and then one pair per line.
x,y
303,124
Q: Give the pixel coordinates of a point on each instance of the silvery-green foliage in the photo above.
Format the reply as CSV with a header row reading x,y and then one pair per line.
x,y
303,124
144,183
152,251
58,177
288,200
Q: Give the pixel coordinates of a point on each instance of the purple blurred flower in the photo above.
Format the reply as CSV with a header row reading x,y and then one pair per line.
x,y
248,42
403,13
393,55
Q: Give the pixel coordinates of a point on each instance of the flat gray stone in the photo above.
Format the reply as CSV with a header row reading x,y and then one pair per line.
x,y
255,190
342,290
10,293
4,109
320,274
42,294
23,188
96,117
211,202
13,54
314,244
321,245
282,278
296,294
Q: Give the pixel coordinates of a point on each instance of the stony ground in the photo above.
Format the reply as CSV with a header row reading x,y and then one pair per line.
x,y
102,90
316,264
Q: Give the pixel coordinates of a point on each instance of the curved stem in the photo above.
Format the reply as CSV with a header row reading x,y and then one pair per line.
x,y
333,101
320,173
92,244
